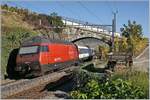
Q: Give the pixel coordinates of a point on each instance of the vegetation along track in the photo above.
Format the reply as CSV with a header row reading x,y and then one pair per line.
x,y
25,84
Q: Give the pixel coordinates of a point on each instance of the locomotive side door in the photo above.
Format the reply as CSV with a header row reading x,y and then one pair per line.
x,y
71,53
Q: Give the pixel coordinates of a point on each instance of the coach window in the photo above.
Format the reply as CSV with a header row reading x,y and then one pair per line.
x,y
44,48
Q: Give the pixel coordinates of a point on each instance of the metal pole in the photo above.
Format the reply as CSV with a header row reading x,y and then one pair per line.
x,y
113,29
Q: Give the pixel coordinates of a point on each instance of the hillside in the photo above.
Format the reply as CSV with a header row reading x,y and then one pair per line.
x,y
11,22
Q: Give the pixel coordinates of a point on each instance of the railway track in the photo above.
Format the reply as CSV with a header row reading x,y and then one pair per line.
x,y
39,87
25,84
7,81
42,90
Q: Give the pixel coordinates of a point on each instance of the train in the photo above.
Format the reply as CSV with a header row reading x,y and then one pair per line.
x,y
85,53
40,55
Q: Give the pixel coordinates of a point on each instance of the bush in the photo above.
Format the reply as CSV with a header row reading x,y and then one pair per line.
x,y
116,89
137,78
81,77
121,85
10,41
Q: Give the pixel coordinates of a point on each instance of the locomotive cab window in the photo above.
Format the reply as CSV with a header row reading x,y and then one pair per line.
x,y
28,50
44,48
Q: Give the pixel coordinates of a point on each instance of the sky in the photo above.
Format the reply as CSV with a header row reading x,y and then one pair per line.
x,y
96,12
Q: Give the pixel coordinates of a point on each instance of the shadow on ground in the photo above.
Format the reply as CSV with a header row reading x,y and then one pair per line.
x,y
61,87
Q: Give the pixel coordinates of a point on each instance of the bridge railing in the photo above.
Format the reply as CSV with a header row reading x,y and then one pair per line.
x,y
82,24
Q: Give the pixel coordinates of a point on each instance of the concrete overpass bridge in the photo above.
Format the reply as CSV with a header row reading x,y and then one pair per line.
x,y
102,29
78,30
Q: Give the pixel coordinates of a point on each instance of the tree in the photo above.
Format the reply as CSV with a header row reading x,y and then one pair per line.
x,y
133,33
116,44
123,44
55,22
132,29
5,6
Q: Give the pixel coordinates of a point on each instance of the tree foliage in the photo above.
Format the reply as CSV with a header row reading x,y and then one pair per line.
x,y
104,51
120,45
133,39
132,29
116,44
55,21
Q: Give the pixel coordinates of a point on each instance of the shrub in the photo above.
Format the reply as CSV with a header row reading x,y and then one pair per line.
x,y
81,77
117,89
121,85
137,78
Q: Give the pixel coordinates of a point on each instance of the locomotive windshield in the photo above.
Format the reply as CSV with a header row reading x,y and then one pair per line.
x,y
28,50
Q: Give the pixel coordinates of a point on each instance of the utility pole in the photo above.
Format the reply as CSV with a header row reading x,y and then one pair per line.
x,y
113,29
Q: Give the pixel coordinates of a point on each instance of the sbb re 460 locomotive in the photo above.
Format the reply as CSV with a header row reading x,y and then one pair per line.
x,y
40,55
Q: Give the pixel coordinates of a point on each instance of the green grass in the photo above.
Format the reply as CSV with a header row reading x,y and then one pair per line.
x,y
8,46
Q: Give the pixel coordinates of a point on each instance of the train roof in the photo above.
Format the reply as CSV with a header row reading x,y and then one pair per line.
x,y
43,39
82,47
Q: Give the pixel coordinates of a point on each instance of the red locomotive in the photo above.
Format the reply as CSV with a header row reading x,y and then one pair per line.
x,y
40,55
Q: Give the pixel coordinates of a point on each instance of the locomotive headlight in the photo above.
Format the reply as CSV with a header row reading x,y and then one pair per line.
x,y
18,68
